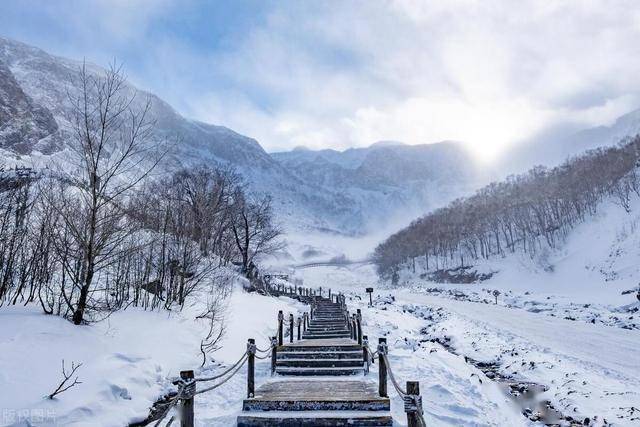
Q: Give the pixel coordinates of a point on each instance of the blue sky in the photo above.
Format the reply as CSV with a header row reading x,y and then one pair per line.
x,y
349,73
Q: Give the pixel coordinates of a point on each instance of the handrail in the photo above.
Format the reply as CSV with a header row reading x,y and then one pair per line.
x,y
410,396
244,360
187,388
215,377
399,389
187,382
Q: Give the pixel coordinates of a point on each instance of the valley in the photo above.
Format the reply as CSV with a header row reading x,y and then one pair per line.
x,y
512,299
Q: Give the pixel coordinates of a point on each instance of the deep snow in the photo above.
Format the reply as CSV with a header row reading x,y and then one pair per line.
x,y
128,360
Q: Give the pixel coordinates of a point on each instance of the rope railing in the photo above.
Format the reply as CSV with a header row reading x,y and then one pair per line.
x,y
263,351
410,395
183,398
187,387
215,377
213,387
266,356
172,404
399,389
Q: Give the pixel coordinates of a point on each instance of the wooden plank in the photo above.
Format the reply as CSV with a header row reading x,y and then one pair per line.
x,y
328,390
321,342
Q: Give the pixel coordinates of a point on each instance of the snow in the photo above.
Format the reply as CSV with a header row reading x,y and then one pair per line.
x,y
590,366
128,360
589,370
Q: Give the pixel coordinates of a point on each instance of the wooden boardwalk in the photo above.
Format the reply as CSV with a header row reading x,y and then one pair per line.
x,y
320,376
328,394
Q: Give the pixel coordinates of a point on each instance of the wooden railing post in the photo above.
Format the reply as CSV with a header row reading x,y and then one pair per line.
x,y
354,326
359,325
251,365
186,407
274,354
413,409
299,326
330,295
382,367
365,353
280,333
321,291
291,327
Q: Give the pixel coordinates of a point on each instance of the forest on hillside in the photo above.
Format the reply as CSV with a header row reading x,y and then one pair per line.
x,y
109,228
524,213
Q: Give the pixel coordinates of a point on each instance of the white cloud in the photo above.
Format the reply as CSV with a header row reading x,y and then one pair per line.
x,y
489,73
339,74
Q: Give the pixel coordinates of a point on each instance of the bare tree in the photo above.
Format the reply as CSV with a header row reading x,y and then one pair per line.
x,y
254,230
214,314
113,152
67,380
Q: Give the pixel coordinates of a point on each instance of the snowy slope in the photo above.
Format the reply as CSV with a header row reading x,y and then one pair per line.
x,y
599,260
471,357
128,361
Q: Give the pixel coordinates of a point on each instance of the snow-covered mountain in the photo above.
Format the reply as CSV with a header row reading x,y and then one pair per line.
x,y
329,190
34,104
24,124
553,150
387,177
353,191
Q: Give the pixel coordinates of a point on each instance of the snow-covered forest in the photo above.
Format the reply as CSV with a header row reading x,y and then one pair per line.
x,y
103,235
525,213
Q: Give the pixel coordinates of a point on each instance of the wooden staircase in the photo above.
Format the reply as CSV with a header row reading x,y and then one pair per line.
x,y
326,352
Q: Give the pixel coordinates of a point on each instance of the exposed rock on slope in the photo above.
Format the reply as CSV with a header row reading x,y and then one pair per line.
x,y
23,123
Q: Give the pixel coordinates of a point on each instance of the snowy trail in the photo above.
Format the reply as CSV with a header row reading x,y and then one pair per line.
x,y
600,346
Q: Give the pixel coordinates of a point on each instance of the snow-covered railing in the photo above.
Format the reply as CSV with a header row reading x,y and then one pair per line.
x,y
410,395
182,400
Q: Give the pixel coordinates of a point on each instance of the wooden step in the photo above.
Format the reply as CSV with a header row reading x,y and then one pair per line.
x,y
327,322
320,363
325,335
315,419
327,328
322,344
321,395
291,348
319,371
320,331
319,354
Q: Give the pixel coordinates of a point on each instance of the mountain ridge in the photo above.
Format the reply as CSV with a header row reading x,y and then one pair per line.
x,y
352,191
343,202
